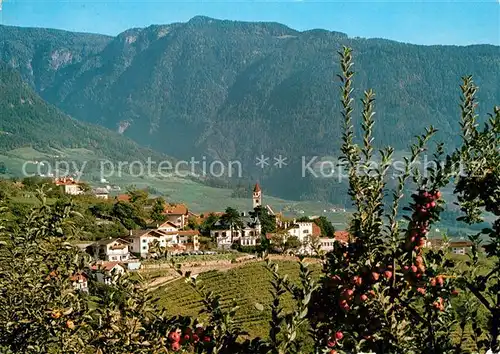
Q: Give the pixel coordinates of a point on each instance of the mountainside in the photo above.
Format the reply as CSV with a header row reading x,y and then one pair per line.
x,y
27,120
235,90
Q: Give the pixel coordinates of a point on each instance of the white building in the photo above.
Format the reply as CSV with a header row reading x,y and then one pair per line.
x,y
80,282
303,230
248,235
101,193
70,186
177,241
106,272
111,249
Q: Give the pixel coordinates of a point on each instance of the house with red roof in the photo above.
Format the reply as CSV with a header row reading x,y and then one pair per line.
x,y
70,186
80,282
106,272
178,214
167,236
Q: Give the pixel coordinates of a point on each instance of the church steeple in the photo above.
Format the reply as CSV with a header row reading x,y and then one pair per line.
x,y
257,196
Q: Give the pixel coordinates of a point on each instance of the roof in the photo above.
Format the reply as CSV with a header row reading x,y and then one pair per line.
x,y
111,240
108,266
166,224
78,277
101,191
257,187
139,233
123,198
181,233
176,209
65,181
460,244
342,236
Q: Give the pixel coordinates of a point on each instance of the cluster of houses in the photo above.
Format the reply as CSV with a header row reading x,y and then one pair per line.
x,y
115,255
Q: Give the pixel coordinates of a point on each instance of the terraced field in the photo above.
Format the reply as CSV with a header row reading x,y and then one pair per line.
x,y
248,285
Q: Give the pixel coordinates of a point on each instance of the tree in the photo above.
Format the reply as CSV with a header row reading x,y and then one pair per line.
x,y
478,191
208,224
232,219
158,210
403,294
267,221
327,229
192,223
292,243
138,196
3,168
128,215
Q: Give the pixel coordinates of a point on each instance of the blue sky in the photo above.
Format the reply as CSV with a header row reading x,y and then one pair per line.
x,y
420,22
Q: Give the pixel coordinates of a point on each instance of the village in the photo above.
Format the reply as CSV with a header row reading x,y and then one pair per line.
x,y
244,232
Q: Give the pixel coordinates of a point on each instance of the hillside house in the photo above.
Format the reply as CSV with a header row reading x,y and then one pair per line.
x,y
111,249
178,214
70,186
80,282
177,241
107,271
460,247
101,193
168,226
248,235
303,230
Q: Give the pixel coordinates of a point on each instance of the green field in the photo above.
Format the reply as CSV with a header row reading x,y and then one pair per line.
x,y
248,285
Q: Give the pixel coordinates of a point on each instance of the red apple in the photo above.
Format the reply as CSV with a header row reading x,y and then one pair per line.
x,y
339,335
375,276
174,336
175,346
388,274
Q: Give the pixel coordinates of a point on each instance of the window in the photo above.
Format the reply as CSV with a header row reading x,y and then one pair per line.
x,y
144,241
305,231
216,234
144,247
224,234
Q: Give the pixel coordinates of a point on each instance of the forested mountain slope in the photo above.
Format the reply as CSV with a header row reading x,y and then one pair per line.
x,y
27,120
235,90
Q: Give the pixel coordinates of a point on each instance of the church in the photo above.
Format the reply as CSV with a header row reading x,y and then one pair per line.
x,y
248,235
